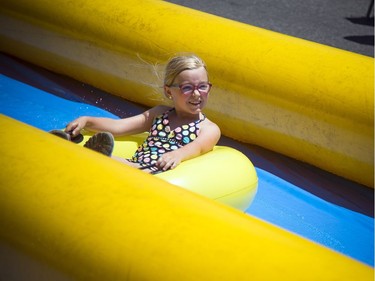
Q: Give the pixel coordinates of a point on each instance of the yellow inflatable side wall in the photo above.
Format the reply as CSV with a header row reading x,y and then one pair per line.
x,y
302,99
67,213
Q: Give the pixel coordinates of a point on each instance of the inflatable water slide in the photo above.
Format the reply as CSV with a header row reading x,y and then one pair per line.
x,y
309,102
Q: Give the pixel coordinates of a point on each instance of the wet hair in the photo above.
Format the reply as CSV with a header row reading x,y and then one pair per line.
x,y
180,63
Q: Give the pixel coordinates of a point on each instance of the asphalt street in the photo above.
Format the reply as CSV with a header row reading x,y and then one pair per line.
x,y
344,24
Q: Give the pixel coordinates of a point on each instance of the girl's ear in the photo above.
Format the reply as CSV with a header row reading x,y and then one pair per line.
x,y
167,92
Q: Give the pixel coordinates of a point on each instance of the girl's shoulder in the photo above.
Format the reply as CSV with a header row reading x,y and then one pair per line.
x,y
158,110
207,124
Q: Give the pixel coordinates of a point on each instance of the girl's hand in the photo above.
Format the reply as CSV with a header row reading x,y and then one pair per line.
x,y
75,127
169,160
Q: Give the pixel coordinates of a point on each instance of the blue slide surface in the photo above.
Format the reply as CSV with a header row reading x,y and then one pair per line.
x,y
278,201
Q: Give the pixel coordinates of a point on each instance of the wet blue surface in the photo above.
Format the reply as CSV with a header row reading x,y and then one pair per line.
x,y
277,201
290,207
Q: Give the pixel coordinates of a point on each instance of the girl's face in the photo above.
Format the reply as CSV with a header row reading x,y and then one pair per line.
x,y
187,102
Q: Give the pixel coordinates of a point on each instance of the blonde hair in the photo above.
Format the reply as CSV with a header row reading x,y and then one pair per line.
x,y
180,63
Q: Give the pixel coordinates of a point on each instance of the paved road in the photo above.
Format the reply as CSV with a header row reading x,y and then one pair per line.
x,y
339,23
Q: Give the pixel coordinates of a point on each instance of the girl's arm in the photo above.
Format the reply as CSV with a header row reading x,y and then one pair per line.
x,y
208,137
131,125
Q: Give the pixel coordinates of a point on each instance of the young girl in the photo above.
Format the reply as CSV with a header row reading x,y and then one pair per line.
x,y
177,134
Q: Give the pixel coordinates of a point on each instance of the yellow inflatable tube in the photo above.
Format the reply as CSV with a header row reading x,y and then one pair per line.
x,y
224,174
305,100
68,213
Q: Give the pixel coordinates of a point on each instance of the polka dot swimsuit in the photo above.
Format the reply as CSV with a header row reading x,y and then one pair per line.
x,y
162,139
